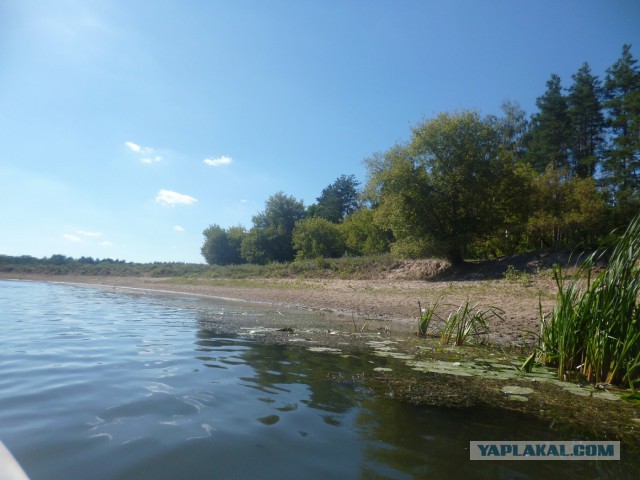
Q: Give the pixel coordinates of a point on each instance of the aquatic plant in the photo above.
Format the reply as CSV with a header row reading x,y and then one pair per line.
x,y
426,317
467,321
594,329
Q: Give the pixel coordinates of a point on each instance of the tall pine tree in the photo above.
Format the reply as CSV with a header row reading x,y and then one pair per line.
x,y
622,165
547,140
586,121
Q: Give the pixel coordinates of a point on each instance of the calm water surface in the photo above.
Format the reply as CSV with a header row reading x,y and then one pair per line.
x,y
105,385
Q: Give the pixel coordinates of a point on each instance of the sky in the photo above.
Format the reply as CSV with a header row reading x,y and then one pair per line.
x,y
127,127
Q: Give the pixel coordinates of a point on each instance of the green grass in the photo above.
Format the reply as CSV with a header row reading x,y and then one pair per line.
x,y
594,329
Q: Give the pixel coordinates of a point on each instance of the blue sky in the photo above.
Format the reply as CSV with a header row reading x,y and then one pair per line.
x,y
128,127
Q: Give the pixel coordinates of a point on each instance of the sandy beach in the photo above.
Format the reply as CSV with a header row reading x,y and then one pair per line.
x,y
392,300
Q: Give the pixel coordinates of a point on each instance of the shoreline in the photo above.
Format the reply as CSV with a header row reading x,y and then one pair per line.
x,y
392,301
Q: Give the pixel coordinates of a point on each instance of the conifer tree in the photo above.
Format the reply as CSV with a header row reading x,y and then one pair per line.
x,y
547,141
586,121
622,164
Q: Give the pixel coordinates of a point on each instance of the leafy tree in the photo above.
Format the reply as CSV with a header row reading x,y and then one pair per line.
x,y
270,239
362,236
254,246
622,164
587,122
512,127
222,247
235,236
317,237
337,200
567,210
548,138
443,186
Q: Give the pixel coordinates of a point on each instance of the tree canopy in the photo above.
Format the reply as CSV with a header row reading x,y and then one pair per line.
x,y
442,186
469,186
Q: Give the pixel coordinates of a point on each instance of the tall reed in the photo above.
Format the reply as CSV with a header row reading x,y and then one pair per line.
x,y
595,327
467,321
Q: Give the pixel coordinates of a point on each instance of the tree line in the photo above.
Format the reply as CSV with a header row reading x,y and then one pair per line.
x,y
471,186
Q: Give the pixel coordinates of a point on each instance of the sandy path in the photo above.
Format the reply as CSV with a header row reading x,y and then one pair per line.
x,y
393,300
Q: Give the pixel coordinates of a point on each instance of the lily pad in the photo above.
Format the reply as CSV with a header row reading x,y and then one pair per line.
x,y
516,390
518,398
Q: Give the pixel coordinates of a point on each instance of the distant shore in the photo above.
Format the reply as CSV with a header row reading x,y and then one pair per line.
x,y
390,300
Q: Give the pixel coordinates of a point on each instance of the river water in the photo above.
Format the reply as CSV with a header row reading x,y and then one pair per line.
x,y
101,384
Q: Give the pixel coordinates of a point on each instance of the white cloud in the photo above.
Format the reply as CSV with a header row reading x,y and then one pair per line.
x,y
216,162
106,244
89,234
72,238
149,160
170,199
178,228
133,146
144,152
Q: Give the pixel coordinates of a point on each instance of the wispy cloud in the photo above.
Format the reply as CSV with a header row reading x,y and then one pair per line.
x,y
217,162
134,147
178,228
89,234
106,243
72,238
169,198
146,154
149,160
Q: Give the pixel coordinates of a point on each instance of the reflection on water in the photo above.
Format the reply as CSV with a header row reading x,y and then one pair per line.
x,y
107,385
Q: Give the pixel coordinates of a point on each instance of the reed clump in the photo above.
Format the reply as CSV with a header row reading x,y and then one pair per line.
x,y
594,329
462,323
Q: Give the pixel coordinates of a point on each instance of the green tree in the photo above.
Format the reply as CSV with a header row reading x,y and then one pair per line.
x,y
337,200
622,164
361,234
270,239
512,127
587,122
568,211
444,186
548,137
317,237
222,247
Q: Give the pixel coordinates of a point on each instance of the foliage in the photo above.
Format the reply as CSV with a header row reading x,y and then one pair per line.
x,y
443,186
427,315
584,109
514,275
270,239
467,321
317,237
362,236
337,200
512,128
595,326
622,162
548,138
566,211
222,247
